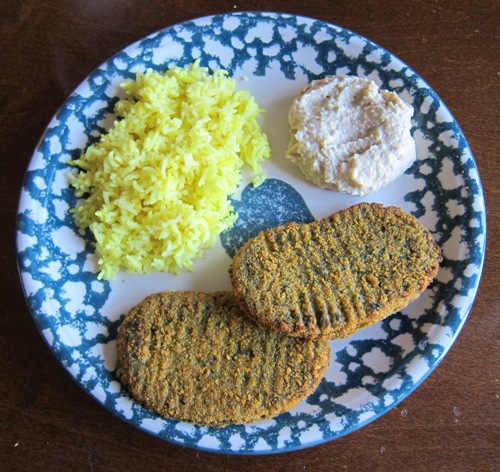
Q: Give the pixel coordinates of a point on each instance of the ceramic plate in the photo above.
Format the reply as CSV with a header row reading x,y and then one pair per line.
x,y
273,56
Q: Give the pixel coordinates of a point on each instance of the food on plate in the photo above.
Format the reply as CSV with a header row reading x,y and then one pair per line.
x,y
336,275
196,357
350,136
156,185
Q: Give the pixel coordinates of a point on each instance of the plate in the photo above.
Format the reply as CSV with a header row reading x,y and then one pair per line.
x,y
272,55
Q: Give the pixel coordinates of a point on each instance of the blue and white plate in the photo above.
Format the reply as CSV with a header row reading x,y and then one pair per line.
x,y
273,56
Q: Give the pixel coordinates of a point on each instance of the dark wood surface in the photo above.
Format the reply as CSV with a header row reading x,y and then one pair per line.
x,y
451,422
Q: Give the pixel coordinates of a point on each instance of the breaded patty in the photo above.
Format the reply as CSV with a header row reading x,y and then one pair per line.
x,y
197,357
335,275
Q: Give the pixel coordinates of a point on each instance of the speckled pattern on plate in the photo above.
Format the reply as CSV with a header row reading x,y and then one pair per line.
x,y
273,56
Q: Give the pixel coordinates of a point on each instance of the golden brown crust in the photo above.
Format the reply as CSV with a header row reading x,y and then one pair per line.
x,y
335,275
196,357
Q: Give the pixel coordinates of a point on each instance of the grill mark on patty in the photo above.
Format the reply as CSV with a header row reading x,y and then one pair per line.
x,y
321,294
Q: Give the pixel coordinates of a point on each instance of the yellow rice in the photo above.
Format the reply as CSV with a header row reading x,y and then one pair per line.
x,y
156,186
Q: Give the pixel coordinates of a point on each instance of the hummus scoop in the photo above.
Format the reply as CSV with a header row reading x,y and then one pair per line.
x,y
349,135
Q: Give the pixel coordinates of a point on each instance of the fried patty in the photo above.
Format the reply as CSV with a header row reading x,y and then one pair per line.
x,y
197,357
335,275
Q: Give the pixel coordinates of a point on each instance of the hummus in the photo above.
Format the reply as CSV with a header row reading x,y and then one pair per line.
x,y
350,136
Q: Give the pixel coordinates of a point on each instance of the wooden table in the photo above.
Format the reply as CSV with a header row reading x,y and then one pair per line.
x,y
451,422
